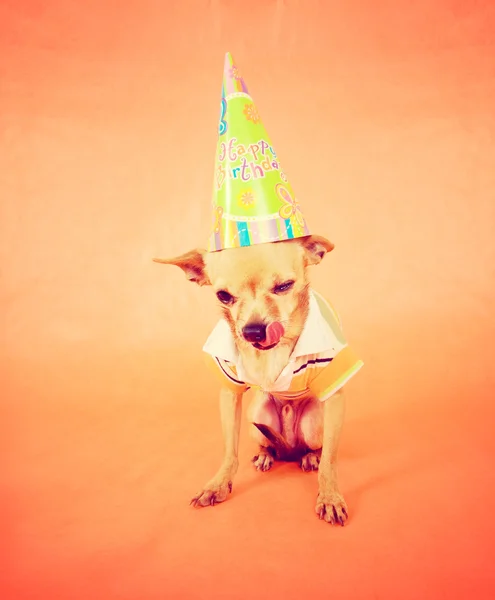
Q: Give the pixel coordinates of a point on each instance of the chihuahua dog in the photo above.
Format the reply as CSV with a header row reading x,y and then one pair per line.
x,y
280,337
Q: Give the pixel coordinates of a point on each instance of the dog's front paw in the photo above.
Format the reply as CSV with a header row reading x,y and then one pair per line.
x,y
331,507
213,493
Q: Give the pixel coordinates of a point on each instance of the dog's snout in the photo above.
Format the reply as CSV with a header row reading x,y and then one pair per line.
x,y
254,332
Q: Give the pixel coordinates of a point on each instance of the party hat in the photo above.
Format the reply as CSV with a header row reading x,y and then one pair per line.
x,y
253,202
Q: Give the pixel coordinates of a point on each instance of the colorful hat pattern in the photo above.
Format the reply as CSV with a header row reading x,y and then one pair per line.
x,y
253,202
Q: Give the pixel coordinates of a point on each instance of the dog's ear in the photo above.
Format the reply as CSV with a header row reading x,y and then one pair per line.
x,y
192,263
315,247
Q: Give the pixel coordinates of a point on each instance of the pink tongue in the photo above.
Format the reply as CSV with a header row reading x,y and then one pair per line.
x,y
274,332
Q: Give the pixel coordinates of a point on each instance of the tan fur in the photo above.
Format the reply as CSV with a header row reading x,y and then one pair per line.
x,y
249,275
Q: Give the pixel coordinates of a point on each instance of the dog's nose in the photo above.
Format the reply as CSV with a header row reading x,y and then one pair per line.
x,y
254,332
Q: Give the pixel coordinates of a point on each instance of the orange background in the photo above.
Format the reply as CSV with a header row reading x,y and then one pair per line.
x,y
383,114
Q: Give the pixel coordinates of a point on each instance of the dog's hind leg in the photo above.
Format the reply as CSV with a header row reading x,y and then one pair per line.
x,y
310,433
263,411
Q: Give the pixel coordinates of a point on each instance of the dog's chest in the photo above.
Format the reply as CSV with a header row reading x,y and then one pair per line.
x,y
267,380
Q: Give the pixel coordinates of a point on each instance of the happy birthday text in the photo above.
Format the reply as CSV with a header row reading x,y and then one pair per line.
x,y
249,166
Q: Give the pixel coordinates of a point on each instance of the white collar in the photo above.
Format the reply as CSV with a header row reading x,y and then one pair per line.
x,y
316,337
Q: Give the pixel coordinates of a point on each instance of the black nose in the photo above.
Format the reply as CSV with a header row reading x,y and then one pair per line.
x,y
254,332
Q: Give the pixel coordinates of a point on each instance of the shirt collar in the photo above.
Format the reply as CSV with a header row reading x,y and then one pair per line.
x,y
221,344
316,337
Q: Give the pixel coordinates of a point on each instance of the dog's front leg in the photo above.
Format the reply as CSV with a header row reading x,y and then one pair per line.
x,y
330,504
218,488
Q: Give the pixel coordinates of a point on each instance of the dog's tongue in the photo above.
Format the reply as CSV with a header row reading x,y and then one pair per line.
x,y
274,332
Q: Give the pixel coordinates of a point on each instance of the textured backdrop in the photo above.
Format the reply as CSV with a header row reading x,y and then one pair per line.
x,y
383,114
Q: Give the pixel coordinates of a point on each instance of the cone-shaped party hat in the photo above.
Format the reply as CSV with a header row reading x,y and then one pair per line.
x,y
253,202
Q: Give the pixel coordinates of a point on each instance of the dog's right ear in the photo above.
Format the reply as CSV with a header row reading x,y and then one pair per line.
x,y
192,263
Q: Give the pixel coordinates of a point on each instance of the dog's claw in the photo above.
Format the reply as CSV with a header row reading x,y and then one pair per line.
x,y
309,462
213,494
263,462
332,508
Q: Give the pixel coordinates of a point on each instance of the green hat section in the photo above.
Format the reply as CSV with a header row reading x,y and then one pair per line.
x,y
253,202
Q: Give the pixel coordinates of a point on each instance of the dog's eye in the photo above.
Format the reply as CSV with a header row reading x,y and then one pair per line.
x,y
225,297
283,287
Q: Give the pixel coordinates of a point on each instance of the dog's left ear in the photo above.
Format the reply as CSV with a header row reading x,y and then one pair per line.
x,y
315,247
192,263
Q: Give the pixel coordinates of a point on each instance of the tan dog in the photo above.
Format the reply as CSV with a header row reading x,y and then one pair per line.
x,y
266,300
